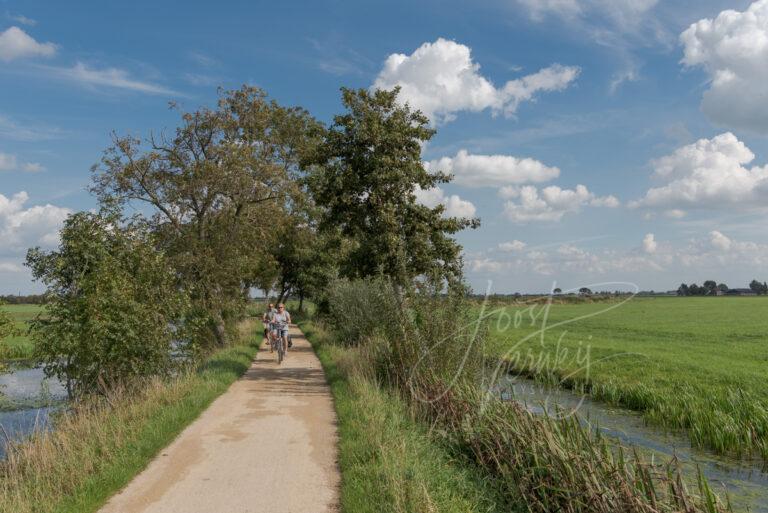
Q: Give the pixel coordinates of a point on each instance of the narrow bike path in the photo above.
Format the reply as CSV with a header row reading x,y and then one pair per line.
x,y
268,444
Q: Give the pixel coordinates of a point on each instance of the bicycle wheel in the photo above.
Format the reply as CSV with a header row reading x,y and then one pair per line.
x,y
280,352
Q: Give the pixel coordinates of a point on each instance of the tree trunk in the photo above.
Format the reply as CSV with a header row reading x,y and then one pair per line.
x,y
283,294
301,301
219,330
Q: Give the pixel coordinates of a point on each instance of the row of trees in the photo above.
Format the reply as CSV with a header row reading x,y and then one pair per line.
x,y
249,194
708,288
711,288
31,299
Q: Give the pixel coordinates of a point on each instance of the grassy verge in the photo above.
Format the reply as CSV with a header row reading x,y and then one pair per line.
x,y
696,364
96,449
389,461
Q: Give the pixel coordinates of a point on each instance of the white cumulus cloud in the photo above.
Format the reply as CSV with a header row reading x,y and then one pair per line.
x,y
719,241
527,203
708,174
21,227
513,246
7,162
33,167
538,9
622,12
733,49
454,205
17,44
649,243
492,170
441,79
674,213
20,18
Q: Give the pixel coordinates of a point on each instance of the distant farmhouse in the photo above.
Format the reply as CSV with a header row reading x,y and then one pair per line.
x,y
737,292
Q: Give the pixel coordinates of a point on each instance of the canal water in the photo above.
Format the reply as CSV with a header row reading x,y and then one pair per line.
x,y
32,399
746,482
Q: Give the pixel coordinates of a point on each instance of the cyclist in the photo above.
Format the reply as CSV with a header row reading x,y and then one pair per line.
x,y
268,325
281,320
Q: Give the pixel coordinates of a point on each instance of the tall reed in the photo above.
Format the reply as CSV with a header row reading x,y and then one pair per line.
x,y
427,348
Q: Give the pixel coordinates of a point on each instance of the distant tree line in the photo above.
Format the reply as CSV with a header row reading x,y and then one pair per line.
x,y
31,299
708,288
711,288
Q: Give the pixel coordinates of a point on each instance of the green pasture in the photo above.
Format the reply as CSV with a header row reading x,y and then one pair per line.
x,y
699,364
20,346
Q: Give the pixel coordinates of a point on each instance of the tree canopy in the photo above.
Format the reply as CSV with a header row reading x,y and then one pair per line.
x,y
365,178
218,190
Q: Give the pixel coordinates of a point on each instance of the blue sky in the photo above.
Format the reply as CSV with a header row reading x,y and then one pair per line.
x,y
597,140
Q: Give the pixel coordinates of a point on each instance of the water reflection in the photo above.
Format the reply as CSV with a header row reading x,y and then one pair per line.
x,y
25,384
29,399
18,424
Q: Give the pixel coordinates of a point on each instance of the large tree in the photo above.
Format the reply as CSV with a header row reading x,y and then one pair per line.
x,y
758,288
216,191
369,169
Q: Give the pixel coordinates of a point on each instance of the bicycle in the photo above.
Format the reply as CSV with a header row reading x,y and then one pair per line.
x,y
280,350
276,344
280,344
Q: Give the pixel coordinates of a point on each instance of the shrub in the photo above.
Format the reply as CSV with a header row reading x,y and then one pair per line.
x,y
408,337
113,310
7,326
360,309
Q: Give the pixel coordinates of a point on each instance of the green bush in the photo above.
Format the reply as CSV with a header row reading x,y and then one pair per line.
x,y
113,311
409,338
361,309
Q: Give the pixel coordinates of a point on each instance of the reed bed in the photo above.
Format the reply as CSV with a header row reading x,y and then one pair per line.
x,y
552,464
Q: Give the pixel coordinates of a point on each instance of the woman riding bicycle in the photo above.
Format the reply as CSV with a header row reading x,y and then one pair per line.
x,y
280,320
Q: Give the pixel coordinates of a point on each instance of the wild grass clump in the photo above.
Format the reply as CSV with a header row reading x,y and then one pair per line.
x,y
731,421
360,309
408,337
98,444
549,464
430,355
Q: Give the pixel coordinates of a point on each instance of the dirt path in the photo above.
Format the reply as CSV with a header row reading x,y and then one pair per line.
x,y
268,445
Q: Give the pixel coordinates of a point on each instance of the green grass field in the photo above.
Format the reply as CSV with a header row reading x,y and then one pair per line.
x,y
20,346
700,364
